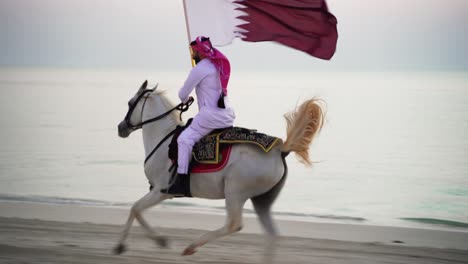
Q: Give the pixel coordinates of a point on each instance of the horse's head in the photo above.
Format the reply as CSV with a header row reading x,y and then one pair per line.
x,y
134,118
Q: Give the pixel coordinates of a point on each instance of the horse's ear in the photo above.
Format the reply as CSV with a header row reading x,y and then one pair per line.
x,y
155,87
144,85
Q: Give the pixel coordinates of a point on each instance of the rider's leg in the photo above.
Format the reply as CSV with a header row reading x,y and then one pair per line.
x,y
186,141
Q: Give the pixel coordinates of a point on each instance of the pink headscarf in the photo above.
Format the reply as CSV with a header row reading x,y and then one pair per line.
x,y
204,47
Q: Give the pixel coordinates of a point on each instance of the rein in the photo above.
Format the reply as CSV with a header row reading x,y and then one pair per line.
x,y
182,107
160,143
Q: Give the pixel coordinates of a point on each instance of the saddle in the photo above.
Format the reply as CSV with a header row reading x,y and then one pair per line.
x,y
212,152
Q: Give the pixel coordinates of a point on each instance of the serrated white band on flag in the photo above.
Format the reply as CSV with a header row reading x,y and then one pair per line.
x,y
216,19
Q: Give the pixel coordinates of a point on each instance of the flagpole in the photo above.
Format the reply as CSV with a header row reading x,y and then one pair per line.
x,y
188,33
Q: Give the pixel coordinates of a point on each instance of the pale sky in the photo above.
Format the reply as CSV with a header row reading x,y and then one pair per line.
x,y
396,35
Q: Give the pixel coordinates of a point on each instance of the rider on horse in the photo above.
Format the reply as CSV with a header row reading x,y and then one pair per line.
x,y
209,77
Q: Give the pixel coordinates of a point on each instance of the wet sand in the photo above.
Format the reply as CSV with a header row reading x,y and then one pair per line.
x,y
39,233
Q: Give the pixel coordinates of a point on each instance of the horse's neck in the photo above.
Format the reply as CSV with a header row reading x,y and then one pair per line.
x,y
154,132
152,135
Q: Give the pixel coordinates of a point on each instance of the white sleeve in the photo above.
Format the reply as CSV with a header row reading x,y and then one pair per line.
x,y
195,77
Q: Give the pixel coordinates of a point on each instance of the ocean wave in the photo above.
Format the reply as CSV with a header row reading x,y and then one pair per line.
x,y
58,200
110,162
324,216
307,215
214,209
79,201
54,126
434,221
457,192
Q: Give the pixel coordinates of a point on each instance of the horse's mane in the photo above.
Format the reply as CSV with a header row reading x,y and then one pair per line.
x,y
169,105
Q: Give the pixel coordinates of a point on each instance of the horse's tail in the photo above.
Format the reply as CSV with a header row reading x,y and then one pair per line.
x,y
303,125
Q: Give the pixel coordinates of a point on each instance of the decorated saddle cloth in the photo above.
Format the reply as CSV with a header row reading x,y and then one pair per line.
x,y
212,152
209,148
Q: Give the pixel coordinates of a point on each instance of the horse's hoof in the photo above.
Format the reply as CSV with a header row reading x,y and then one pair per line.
x,y
189,251
119,249
162,241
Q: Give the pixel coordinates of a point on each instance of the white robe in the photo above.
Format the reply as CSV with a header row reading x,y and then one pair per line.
x,y
204,77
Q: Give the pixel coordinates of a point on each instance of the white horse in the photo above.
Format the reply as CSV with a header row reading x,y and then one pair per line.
x,y
249,174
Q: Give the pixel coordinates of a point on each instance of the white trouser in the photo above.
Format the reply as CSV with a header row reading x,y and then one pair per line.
x,y
185,142
203,123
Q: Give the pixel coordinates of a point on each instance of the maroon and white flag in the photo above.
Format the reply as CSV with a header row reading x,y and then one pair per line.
x,y
305,25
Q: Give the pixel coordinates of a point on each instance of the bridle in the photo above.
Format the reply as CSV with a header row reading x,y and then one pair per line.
x,y
182,107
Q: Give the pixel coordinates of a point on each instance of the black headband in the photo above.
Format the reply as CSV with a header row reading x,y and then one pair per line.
x,y
193,43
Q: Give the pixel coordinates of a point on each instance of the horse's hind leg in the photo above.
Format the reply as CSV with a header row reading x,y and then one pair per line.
x,y
263,210
234,207
262,205
264,216
150,199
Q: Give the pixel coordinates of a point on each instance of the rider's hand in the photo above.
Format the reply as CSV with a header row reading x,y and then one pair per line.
x,y
190,98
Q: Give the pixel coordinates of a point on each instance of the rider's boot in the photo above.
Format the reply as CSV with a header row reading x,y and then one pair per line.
x,y
180,187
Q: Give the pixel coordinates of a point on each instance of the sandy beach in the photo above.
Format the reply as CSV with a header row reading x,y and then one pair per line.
x,y
44,233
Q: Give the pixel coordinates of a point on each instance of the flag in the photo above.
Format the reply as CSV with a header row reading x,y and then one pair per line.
x,y
305,25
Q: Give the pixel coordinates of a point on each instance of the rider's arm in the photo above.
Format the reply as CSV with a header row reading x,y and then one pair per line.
x,y
195,77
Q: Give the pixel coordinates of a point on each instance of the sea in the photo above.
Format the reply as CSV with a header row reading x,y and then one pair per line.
x,y
393,150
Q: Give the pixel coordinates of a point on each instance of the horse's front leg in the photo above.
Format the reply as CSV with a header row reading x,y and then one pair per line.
x,y
234,207
150,199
